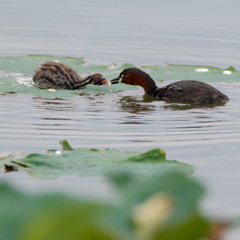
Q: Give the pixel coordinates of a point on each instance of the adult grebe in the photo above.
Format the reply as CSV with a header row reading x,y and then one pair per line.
x,y
186,90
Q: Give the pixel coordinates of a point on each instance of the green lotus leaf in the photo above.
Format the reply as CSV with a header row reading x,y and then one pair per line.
x,y
193,72
93,162
16,75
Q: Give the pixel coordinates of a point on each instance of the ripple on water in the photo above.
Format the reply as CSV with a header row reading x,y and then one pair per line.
x,y
125,119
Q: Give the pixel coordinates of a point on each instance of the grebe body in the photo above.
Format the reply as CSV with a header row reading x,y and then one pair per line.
x,y
60,76
185,91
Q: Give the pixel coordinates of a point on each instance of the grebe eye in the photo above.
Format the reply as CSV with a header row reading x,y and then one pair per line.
x,y
122,76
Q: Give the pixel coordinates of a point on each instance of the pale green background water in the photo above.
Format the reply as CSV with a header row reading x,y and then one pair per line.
x,y
139,32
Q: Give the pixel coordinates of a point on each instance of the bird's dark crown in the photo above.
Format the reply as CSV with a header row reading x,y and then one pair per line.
x,y
133,70
135,76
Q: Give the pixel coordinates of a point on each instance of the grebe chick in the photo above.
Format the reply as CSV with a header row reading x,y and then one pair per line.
x,y
60,76
185,91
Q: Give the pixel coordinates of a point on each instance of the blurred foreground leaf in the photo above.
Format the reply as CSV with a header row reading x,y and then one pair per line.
x,y
183,193
48,217
162,207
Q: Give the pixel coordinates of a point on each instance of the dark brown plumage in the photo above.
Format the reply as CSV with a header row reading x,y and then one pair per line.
x,y
185,91
60,76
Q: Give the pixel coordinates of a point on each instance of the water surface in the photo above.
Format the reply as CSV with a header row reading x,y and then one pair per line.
x,y
140,32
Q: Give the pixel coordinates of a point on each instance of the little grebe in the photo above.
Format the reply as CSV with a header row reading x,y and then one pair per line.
x,y
186,90
59,76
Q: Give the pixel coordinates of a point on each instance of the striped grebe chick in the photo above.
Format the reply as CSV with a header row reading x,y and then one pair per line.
x,y
184,91
60,76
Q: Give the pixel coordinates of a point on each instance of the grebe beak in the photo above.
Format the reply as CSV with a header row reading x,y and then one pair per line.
x,y
105,81
116,80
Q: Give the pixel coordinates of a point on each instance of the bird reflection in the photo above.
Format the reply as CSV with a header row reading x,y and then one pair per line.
x,y
7,93
176,106
135,105
150,104
86,102
131,104
55,104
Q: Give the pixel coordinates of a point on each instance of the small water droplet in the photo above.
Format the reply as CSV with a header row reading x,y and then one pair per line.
x,y
227,72
58,152
201,70
51,90
109,86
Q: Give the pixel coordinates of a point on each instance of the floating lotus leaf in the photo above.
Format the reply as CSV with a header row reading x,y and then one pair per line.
x,y
16,75
93,162
193,72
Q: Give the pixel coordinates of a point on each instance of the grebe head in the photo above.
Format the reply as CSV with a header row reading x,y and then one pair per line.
x,y
135,76
97,79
